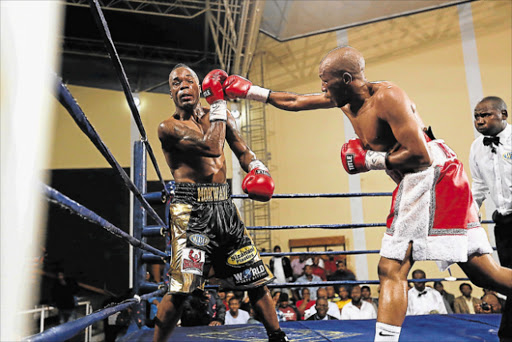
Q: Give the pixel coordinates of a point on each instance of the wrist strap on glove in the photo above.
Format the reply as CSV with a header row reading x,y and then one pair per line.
x,y
258,94
376,160
218,111
257,164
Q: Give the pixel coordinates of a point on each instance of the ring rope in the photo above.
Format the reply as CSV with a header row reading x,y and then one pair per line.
x,y
66,99
323,226
65,202
67,330
331,226
109,44
355,282
352,194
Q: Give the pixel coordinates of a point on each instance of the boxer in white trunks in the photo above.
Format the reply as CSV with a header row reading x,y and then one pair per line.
x,y
432,214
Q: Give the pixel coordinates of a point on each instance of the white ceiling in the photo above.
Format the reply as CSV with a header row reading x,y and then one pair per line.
x,y
290,19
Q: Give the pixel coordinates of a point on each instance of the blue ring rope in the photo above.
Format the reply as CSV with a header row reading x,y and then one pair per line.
x,y
67,330
118,66
323,226
67,100
354,194
343,282
330,226
62,200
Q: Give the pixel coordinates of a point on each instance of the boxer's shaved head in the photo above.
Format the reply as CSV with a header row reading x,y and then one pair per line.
x,y
344,59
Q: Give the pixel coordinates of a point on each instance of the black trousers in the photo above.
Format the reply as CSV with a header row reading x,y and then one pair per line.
x,y
503,235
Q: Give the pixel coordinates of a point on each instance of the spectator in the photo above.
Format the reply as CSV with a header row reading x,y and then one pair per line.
x,y
332,296
490,304
366,294
358,308
321,308
275,297
288,311
320,262
298,265
329,264
252,319
501,297
305,303
195,311
424,300
447,297
332,310
63,295
216,308
153,308
342,273
282,269
344,297
317,269
465,304
222,296
309,277
491,170
235,315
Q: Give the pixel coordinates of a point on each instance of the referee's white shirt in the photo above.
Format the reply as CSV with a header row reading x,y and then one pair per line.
x,y
429,301
492,172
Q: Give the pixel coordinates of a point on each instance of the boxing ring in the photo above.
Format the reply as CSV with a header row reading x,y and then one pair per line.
x,y
415,328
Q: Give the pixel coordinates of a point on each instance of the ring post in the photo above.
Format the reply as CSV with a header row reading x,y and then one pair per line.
x,y
139,220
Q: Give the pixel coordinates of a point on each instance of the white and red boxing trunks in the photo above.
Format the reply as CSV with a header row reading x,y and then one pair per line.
x,y
435,210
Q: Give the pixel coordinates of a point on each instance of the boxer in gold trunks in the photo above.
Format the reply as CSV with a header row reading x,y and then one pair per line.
x,y
207,235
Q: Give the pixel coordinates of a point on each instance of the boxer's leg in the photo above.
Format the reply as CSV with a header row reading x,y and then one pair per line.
x,y
393,296
168,315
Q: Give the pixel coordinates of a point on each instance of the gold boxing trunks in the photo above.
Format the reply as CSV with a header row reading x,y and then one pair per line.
x,y
206,231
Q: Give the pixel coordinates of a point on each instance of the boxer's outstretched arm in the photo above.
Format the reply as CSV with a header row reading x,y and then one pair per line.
x,y
176,135
238,145
400,113
297,102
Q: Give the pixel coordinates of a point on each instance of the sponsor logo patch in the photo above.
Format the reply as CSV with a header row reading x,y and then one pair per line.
x,y
350,162
209,194
242,256
207,92
193,261
199,240
251,274
507,156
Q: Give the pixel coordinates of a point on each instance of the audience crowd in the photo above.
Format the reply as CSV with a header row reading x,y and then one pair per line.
x,y
338,302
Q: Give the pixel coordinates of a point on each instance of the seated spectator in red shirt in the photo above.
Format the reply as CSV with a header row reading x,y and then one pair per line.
x,y
305,303
317,270
329,264
288,312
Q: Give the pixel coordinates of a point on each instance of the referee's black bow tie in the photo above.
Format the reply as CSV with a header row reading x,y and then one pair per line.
x,y
489,141
422,293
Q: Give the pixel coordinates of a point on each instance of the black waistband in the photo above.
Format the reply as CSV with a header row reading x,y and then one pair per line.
x,y
202,192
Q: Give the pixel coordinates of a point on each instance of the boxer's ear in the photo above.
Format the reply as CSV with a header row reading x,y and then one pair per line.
x,y
347,77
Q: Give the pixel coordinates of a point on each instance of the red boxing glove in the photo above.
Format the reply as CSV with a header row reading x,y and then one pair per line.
x,y
212,85
353,157
237,87
214,94
258,183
